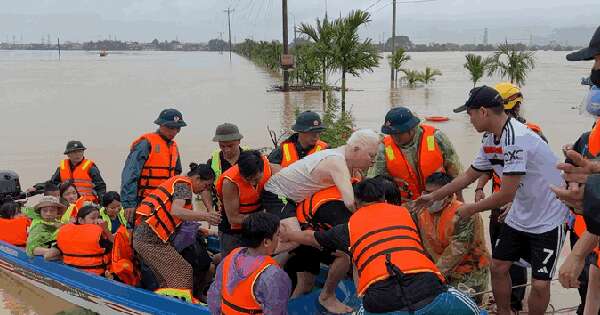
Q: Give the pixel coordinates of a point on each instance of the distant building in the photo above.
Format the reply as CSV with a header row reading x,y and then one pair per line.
x,y
400,42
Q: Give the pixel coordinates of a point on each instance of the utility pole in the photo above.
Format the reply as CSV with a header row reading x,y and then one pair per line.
x,y
221,43
58,41
393,36
229,10
286,78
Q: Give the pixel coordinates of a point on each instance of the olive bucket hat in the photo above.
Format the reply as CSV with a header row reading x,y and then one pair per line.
x,y
227,132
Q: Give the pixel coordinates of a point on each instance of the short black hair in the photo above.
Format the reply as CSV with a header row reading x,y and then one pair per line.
x,y
439,179
9,209
390,189
85,210
203,170
258,227
369,190
109,197
50,187
250,163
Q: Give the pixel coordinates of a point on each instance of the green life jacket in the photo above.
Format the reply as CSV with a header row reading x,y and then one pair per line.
x,y
106,218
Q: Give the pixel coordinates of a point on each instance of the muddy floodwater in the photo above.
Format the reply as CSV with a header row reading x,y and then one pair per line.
x,y
108,102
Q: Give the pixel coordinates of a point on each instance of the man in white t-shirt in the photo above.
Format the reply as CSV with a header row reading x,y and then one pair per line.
x,y
534,227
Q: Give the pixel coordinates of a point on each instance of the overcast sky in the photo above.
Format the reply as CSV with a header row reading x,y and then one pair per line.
x,y
460,21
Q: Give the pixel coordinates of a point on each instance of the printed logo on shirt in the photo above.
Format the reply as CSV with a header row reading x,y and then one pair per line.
x,y
489,150
514,156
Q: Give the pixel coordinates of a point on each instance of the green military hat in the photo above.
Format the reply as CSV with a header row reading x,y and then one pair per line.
x,y
171,118
308,121
73,146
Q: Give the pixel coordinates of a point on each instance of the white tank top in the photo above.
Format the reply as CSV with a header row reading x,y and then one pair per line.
x,y
296,181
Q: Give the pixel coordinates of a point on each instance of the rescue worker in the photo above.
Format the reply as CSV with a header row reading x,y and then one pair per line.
x,y
228,137
534,228
111,211
13,225
513,100
248,280
159,216
412,151
83,172
87,243
239,190
311,174
322,211
394,275
305,141
42,233
153,158
457,247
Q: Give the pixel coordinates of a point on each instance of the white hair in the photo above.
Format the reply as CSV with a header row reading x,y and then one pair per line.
x,y
363,138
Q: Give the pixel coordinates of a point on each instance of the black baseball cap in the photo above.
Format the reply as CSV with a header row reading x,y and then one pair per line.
x,y
482,96
589,52
399,120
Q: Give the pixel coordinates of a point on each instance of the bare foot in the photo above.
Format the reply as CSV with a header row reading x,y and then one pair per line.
x,y
333,305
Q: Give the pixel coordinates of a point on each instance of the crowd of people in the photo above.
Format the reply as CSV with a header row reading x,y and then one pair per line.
x,y
386,211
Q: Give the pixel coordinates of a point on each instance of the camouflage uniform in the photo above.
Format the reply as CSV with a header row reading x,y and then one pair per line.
x,y
467,239
451,160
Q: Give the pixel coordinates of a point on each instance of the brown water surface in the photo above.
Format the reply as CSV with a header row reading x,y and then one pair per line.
x,y
108,102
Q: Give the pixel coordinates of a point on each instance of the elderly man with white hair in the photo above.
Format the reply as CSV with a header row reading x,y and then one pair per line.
x,y
312,174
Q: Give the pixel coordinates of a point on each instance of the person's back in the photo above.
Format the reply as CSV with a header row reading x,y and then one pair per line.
x,y
13,228
297,181
248,280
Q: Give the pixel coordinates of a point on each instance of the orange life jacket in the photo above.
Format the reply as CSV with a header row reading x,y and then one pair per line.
x,y
306,210
497,179
249,195
241,300
14,231
380,234
594,140
429,160
80,247
290,154
122,264
80,176
579,228
160,164
156,208
438,236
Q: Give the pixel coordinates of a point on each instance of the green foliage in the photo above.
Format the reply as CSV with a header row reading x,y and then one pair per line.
x,y
477,66
308,66
339,123
511,63
350,54
429,75
263,53
322,36
412,77
398,59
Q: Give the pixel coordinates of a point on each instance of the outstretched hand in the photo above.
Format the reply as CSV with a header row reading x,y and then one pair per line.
x,y
579,169
425,201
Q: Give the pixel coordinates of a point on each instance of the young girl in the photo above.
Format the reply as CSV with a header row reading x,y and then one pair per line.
x,y
42,233
111,212
86,244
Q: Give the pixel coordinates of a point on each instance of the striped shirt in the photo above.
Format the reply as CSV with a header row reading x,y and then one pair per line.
x,y
520,151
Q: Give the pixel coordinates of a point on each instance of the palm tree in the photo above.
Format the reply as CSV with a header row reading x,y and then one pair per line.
x,y
512,64
477,66
397,59
429,75
350,55
322,35
412,77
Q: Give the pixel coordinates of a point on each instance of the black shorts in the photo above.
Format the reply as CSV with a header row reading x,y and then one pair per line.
x,y
330,214
540,250
282,207
309,259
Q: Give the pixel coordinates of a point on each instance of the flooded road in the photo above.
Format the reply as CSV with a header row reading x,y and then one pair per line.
x,y
108,102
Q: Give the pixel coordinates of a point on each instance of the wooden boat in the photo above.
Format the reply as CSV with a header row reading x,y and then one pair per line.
x,y
103,53
106,296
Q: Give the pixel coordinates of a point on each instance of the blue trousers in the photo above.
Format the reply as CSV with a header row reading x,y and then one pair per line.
x,y
450,302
